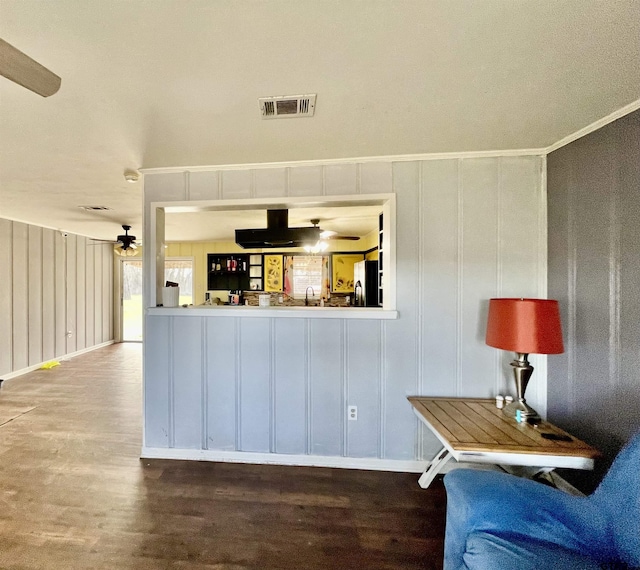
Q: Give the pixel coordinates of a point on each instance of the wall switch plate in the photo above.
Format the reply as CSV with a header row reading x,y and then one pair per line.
x,y
352,413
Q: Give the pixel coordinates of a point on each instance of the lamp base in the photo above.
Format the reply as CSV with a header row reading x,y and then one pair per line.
x,y
526,411
522,371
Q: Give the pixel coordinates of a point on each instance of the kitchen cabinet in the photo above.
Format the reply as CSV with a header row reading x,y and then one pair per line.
x,y
255,272
227,272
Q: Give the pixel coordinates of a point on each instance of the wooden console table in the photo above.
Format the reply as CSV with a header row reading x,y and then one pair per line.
x,y
475,430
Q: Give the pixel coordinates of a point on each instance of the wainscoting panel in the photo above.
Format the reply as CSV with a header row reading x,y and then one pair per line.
x,y
40,299
326,376
72,279
158,371
81,296
6,296
282,386
35,287
255,384
61,294
20,315
363,378
203,186
222,365
305,181
439,274
236,184
269,182
291,384
477,275
186,383
48,295
401,357
340,179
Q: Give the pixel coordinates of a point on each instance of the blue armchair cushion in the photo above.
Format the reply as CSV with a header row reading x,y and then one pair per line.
x,y
496,520
485,551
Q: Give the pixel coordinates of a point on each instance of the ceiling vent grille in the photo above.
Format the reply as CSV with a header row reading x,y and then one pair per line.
x,y
94,208
287,107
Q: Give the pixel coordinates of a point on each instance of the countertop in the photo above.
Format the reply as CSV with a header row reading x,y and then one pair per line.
x,y
274,311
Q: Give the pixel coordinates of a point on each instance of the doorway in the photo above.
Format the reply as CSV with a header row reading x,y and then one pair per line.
x,y
176,269
180,270
131,302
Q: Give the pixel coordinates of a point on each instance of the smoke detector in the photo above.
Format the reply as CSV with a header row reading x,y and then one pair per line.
x,y
287,106
131,176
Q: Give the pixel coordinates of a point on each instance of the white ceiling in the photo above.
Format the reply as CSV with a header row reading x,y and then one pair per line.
x,y
159,83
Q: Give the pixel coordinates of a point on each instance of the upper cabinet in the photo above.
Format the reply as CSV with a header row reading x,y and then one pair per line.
x,y
227,272
255,272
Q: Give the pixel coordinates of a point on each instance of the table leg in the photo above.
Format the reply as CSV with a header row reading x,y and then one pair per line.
x,y
436,465
525,471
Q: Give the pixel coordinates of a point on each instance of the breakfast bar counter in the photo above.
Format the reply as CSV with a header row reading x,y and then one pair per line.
x,y
275,312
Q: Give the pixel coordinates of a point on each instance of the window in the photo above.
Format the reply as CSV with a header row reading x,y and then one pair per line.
x,y
180,271
306,271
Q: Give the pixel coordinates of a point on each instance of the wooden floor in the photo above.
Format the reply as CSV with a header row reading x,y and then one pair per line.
x,y
75,495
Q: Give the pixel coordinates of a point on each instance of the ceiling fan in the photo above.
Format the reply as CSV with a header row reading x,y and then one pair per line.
x,y
328,234
21,69
125,245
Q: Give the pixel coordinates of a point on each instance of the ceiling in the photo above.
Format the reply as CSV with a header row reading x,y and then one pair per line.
x,y
220,226
163,83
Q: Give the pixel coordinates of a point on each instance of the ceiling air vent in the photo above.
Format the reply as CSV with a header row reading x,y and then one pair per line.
x,y
94,208
287,107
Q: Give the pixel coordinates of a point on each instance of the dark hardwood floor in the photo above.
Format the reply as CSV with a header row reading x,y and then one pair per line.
x,y
75,495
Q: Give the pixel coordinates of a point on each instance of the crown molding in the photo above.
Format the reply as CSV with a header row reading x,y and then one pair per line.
x,y
630,108
355,160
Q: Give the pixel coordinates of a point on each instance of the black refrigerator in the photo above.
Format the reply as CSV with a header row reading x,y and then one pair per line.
x,y
365,280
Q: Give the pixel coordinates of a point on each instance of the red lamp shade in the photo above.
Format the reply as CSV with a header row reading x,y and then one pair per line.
x,y
529,326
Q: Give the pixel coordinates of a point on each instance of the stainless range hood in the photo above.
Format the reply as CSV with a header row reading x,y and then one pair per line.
x,y
277,233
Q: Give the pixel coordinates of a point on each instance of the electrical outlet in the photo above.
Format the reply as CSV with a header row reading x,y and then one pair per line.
x,y
352,412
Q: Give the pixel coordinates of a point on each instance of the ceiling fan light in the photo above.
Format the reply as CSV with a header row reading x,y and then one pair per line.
x,y
125,252
316,247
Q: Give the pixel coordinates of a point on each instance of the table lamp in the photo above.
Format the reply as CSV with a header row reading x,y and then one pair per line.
x,y
524,326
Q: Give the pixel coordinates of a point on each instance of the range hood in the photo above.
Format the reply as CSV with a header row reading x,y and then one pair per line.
x,y
277,233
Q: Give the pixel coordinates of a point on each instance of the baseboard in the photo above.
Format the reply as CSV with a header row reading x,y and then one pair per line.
x,y
56,358
365,463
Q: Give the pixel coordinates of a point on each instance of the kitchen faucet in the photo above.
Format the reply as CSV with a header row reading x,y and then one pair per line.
x,y
306,295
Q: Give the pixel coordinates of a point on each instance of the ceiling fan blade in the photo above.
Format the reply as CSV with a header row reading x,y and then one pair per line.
x,y
21,69
352,238
330,234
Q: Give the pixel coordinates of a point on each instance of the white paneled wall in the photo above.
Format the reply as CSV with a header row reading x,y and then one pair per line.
x,y
56,295
467,230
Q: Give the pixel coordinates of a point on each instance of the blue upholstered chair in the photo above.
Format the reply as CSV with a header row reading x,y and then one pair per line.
x,y
498,521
